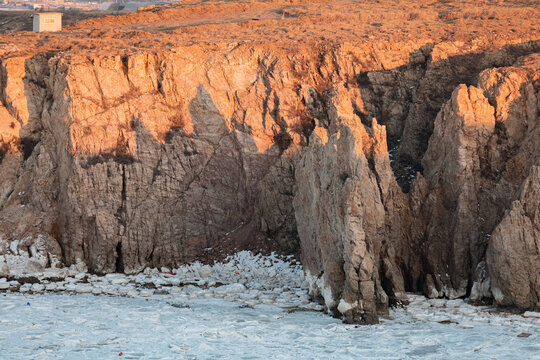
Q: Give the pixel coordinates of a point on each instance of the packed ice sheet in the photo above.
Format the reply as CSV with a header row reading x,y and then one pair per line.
x,y
248,307
84,326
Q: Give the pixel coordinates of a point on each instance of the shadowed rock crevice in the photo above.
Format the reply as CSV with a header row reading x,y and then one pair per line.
x,y
407,99
119,264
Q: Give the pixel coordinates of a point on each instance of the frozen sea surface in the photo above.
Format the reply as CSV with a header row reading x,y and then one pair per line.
x,y
84,326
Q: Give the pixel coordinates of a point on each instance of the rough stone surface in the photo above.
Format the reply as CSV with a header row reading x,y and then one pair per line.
x,y
484,149
515,246
390,163
345,185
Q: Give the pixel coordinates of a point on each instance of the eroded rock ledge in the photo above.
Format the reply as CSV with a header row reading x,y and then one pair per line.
x,y
379,167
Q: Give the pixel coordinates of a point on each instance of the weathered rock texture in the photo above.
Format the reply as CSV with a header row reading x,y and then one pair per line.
x,y
483,151
392,164
515,246
345,200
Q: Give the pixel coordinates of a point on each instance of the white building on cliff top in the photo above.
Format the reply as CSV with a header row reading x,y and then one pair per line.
x,y
47,22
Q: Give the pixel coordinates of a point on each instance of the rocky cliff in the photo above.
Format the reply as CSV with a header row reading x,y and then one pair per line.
x,y
387,166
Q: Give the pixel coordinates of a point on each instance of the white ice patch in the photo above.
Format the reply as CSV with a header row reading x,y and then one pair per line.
x,y
452,293
434,293
4,268
344,306
531,314
230,289
482,284
38,250
317,287
79,266
30,258
497,294
13,247
328,297
481,289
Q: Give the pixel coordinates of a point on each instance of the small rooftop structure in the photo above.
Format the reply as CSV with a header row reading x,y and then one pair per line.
x,y
47,21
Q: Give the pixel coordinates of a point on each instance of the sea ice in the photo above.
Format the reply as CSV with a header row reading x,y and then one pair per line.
x,y
100,327
248,306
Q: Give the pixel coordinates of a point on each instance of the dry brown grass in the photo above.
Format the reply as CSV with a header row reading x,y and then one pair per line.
x,y
289,23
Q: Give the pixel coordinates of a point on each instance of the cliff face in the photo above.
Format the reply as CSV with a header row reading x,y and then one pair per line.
x,y
389,169
482,157
347,220
351,213
156,158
